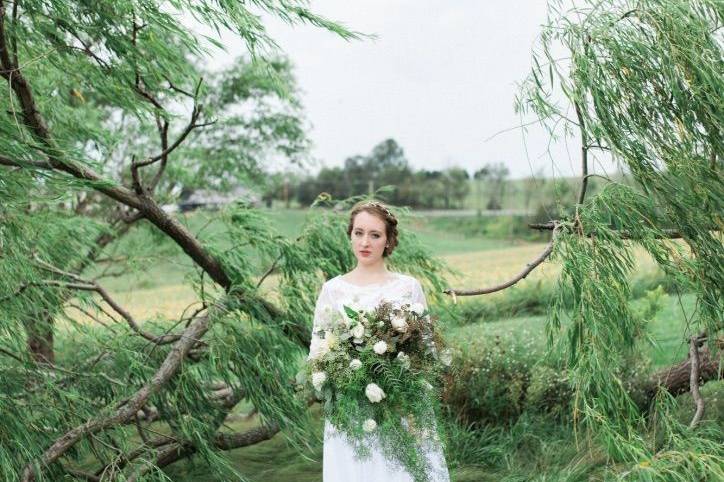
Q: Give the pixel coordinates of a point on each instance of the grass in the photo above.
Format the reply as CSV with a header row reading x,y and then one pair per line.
x,y
530,449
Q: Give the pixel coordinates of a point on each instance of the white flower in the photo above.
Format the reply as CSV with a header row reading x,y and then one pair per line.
x,y
380,347
318,379
417,308
369,425
446,357
404,359
358,331
374,393
399,323
332,340
346,320
318,348
355,364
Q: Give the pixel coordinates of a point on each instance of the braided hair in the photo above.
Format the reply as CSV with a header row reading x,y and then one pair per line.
x,y
378,209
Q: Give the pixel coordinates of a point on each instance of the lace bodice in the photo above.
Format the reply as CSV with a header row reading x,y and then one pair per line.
x,y
336,293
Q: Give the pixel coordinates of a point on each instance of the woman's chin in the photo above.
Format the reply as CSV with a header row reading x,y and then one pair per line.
x,y
367,260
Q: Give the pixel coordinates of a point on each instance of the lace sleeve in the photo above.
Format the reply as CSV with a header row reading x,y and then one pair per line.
x,y
418,296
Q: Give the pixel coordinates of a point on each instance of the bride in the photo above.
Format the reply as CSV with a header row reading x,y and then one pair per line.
x,y
372,231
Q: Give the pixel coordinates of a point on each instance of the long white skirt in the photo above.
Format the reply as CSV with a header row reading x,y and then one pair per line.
x,y
340,465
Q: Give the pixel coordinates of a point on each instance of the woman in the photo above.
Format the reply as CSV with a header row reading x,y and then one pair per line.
x,y
372,231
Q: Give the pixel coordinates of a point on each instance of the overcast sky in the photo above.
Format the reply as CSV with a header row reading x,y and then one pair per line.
x,y
440,78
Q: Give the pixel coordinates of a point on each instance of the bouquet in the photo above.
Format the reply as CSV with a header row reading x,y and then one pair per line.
x,y
378,374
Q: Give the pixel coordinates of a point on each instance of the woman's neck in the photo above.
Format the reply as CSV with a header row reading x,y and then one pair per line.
x,y
374,272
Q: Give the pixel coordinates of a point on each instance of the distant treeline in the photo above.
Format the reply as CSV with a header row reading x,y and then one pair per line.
x,y
488,188
387,165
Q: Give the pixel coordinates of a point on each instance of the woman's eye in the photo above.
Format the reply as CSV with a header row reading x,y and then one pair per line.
x,y
375,236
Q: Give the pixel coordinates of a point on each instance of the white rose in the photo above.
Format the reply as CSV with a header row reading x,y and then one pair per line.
x,y
358,331
355,364
446,357
332,340
417,308
369,425
318,348
374,393
399,323
346,320
318,379
380,347
404,359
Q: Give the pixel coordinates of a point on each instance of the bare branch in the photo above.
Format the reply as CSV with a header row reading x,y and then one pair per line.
x,y
526,271
222,441
676,379
694,382
4,161
584,153
269,271
667,233
87,285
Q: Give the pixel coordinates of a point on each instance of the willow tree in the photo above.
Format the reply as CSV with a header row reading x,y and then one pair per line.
x,y
641,81
105,118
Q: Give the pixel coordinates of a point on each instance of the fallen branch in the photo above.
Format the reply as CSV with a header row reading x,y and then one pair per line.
x,y
222,441
167,370
677,378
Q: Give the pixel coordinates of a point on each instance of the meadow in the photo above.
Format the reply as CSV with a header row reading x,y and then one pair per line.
x,y
528,447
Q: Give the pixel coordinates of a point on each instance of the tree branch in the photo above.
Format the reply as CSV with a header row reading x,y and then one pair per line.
x,y
87,285
221,441
166,371
584,153
694,381
667,233
526,271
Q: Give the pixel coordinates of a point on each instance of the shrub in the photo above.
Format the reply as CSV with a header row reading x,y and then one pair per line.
x,y
490,379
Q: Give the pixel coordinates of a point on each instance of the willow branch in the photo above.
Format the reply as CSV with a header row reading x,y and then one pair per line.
x,y
269,271
166,371
86,285
624,234
222,441
694,382
525,272
584,153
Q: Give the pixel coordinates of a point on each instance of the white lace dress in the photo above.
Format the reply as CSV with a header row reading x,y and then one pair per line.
x,y
340,463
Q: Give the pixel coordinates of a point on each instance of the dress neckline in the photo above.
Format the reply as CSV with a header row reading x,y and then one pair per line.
x,y
394,277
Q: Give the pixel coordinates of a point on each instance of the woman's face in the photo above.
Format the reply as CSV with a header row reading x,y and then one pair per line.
x,y
368,238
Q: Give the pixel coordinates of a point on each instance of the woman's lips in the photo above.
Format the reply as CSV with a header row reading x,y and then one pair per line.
x,y
364,253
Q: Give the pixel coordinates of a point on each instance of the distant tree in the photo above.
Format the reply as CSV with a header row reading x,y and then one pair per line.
x,y
494,178
457,186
